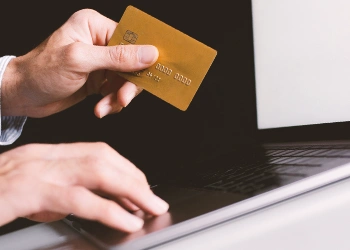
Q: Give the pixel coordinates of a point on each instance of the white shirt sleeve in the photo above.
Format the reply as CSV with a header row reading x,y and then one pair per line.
x,y
10,126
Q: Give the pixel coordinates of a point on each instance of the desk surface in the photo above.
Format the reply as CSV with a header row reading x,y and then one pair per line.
x,y
317,220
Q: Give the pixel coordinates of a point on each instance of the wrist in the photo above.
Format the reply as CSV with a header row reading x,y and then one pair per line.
x,y
10,82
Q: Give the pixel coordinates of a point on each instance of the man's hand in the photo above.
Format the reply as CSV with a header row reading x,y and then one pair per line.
x,y
47,182
71,64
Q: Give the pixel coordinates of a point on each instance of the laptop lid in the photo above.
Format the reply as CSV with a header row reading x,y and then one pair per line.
x,y
302,77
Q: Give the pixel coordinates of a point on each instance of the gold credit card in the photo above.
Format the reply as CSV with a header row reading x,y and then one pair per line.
x,y
182,64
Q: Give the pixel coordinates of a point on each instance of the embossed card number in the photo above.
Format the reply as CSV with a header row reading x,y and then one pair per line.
x,y
182,64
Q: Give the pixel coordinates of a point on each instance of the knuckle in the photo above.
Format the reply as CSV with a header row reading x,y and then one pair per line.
x,y
81,15
131,186
127,187
75,197
102,146
98,164
141,177
74,55
94,162
101,150
121,54
96,167
76,193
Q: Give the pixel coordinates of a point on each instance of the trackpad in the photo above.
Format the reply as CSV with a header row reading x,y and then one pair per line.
x,y
185,203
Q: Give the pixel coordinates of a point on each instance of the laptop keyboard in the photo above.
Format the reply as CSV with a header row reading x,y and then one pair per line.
x,y
266,168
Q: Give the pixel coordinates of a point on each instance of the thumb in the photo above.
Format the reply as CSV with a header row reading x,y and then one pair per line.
x,y
122,58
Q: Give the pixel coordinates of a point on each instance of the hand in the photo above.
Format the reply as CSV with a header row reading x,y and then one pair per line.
x,y
71,64
48,182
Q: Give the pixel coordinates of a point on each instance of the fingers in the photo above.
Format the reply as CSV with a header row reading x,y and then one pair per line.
x,y
127,204
115,176
33,198
70,174
122,58
85,204
116,101
108,105
127,92
97,166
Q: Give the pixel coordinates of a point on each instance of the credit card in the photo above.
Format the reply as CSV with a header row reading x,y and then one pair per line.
x,y
182,64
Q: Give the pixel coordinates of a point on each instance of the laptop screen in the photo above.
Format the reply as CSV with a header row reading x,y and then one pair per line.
x,y
302,62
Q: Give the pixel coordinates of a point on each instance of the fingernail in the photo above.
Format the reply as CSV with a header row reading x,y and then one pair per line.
x,y
148,54
162,206
105,110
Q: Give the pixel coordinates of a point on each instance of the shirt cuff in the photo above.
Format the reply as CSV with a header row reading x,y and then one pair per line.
x,y
10,126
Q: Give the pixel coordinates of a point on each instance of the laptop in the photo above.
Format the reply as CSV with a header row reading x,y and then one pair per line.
x,y
302,84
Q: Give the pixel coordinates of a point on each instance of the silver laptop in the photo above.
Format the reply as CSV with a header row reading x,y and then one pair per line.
x,y
302,85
